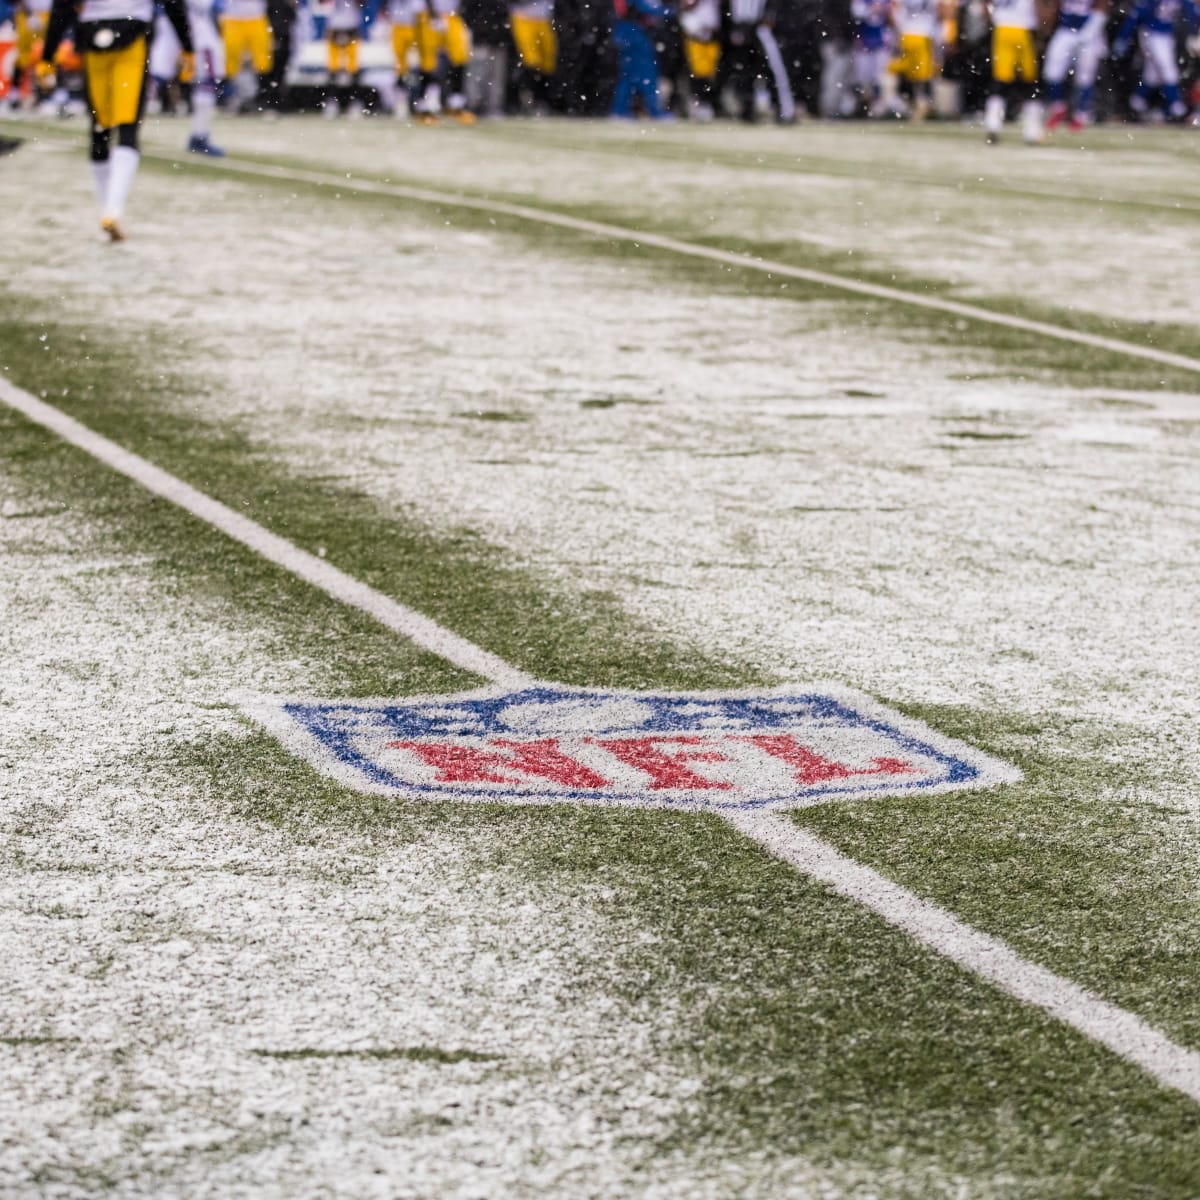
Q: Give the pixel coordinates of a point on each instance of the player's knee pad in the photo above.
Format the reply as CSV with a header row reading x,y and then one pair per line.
x,y
127,136
100,145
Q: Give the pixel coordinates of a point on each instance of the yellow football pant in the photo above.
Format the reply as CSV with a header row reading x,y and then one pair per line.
x,y
31,28
114,83
246,37
915,60
343,56
448,34
404,37
702,58
536,43
1013,55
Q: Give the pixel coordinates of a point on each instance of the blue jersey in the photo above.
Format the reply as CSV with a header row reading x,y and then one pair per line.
x,y
872,20
1073,14
1159,16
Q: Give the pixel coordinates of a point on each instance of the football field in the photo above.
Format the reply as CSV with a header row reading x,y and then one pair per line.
x,y
370,429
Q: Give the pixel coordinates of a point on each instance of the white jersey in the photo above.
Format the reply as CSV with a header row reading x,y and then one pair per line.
x,y
245,10
100,11
444,8
1014,14
701,22
345,16
37,7
533,10
917,18
404,12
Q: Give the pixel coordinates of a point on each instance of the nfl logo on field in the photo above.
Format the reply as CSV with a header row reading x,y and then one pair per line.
x,y
699,750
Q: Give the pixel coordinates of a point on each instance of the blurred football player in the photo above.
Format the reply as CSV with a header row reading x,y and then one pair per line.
x,y
442,38
209,69
917,24
344,29
1154,21
247,36
532,25
403,17
32,17
113,36
1076,47
872,49
700,21
753,57
1014,69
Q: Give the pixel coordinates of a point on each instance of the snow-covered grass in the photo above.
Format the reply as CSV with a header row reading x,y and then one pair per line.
x,y
231,978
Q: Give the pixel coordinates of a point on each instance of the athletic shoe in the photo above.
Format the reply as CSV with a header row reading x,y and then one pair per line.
x,y
1079,122
462,116
112,229
201,145
1058,114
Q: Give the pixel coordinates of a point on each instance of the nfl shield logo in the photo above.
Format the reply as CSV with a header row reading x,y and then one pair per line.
x,y
700,750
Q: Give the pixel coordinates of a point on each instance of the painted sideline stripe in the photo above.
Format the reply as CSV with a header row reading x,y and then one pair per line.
x,y
321,574
1122,1032
620,233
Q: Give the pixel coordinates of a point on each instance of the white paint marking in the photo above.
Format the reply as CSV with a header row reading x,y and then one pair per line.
x,y
1122,1032
322,575
660,241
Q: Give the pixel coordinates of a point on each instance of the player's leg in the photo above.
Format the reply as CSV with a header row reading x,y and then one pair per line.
x,y
458,54
234,43
210,71
922,79
260,54
776,75
1004,70
622,102
1031,108
164,63
645,75
1139,102
1059,54
702,59
429,48
117,94
546,64
1087,67
1166,68
403,40
524,40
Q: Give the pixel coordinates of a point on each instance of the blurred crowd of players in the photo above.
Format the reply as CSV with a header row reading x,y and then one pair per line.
x,y
1054,62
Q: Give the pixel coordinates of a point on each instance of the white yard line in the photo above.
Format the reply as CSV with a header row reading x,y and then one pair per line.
x,y
322,575
1122,1032
620,233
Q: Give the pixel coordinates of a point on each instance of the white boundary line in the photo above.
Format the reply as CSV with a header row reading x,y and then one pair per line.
x,y
620,233
1122,1032
322,575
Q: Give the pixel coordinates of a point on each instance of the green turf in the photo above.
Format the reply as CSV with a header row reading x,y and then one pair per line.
x,y
813,1028
1001,352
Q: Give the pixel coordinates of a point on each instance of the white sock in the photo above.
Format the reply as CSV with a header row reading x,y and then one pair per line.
x,y
124,165
203,103
1031,121
100,173
993,114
